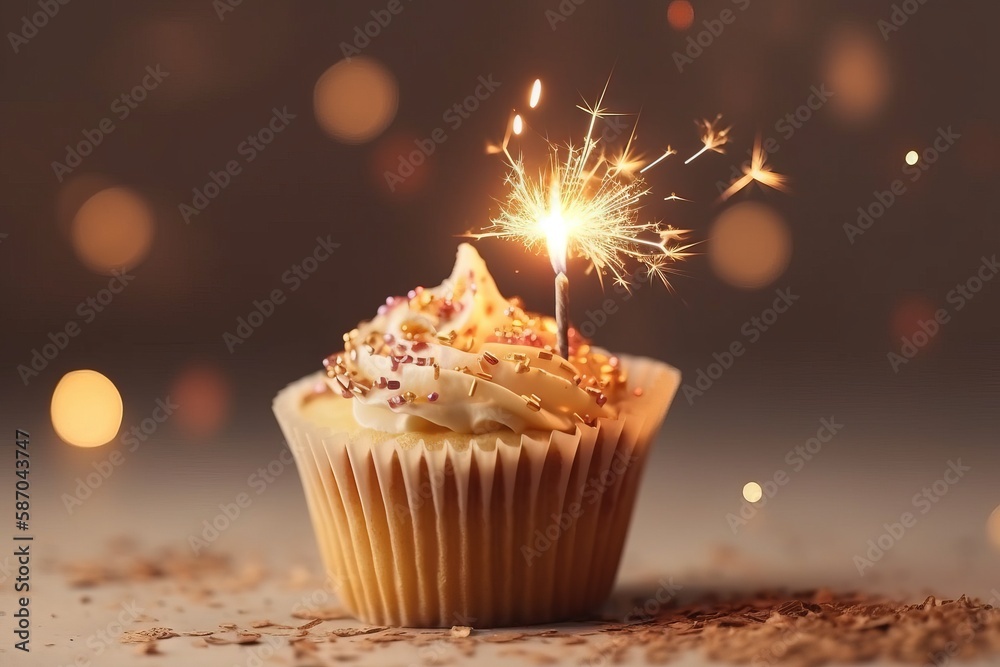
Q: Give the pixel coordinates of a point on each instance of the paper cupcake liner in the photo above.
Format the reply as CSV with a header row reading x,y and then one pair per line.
x,y
475,530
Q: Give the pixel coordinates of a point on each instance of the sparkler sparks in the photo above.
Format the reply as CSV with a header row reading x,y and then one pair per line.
x,y
757,171
586,204
582,202
713,139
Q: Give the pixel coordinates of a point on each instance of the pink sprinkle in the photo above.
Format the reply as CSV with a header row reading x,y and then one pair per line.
x,y
381,383
388,338
382,310
346,394
433,396
419,345
392,384
602,399
408,359
394,363
421,361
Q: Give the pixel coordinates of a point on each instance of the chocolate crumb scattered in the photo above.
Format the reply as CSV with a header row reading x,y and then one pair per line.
x,y
152,634
460,631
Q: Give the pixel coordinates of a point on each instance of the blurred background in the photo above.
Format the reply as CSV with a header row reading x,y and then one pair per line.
x,y
206,147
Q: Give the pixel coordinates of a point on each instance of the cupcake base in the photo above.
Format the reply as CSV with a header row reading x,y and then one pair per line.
x,y
491,530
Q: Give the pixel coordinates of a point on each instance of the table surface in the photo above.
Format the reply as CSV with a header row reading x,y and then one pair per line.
x,y
805,536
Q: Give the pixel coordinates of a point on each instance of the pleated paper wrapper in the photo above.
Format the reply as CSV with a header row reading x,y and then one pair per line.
x,y
475,530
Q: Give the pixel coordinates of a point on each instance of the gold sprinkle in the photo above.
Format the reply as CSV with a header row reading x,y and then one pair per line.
x,y
437,371
409,396
472,387
544,354
566,367
533,402
369,349
521,367
469,344
448,338
491,358
485,375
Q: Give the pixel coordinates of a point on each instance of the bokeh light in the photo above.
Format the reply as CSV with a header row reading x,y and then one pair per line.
x,y
680,14
518,124
203,395
907,315
354,101
993,528
398,165
857,71
86,409
752,492
112,230
912,157
749,245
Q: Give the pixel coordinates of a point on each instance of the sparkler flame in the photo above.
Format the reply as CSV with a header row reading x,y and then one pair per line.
x,y
585,204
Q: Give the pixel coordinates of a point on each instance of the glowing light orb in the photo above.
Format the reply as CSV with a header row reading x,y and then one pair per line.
x,y
536,93
112,230
86,409
912,157
518,125
354,101
680,15
857,70
752,492
203,395
749,246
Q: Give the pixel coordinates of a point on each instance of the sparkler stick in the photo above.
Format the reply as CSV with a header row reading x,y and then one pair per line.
x,y
562,314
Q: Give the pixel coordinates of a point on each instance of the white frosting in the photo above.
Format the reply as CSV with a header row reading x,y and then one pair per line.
x,y
403,343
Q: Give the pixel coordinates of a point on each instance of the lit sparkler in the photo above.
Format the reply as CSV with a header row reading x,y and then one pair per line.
x,y
585,203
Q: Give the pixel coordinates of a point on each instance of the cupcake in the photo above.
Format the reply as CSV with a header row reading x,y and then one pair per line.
x,y
460,472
